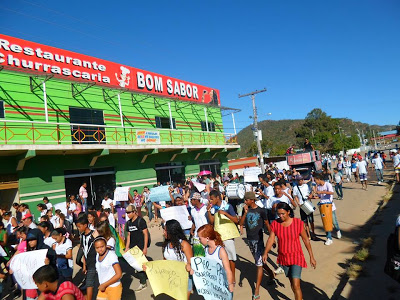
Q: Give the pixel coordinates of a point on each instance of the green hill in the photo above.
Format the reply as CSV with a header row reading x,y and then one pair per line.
x,y
280,134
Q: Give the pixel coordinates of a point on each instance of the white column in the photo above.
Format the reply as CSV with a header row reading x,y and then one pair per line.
x,y
205,114
45,102
171,124
234,125
120,110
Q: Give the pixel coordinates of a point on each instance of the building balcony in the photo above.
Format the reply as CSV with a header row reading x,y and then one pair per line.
x,y
104,136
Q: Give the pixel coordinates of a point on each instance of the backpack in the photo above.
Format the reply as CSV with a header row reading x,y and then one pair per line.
x,y
148,233
392,265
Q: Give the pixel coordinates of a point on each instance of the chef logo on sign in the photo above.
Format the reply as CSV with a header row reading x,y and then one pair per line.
x,y
123,77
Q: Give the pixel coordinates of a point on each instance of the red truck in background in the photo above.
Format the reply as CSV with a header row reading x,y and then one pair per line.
x,y
305,162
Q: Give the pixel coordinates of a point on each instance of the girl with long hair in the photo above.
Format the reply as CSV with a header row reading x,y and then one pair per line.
x,y
63,248
214,249
103,229
176,247
93,220
109,271
288,230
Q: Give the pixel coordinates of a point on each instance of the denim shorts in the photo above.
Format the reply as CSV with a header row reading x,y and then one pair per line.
x,y
293,271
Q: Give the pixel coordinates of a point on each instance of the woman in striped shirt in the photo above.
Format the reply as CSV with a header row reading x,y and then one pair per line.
x,y
290,255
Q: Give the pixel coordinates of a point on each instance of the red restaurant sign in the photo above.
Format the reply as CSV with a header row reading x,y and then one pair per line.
x,y
32,57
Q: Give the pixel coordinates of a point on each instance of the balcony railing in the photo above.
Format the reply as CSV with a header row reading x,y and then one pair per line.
x,y
51,133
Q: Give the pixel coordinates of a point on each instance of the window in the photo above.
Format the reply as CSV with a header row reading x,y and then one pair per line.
x,y
87,134
211,126
212,165
170,172
2,113
165,123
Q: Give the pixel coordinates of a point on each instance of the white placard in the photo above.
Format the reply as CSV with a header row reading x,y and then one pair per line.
x,y
179,213
61,206
160,193
199,186
25,264
251,174
121,193
2,252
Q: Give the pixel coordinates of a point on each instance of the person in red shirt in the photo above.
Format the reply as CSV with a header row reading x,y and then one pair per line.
x,y
46,279
290,255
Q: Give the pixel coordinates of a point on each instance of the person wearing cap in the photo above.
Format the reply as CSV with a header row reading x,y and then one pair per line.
x,y
254,218
27,221
199,217
302,192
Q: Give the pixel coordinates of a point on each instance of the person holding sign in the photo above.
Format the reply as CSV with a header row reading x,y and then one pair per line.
x,y
108,270
46,279
255,218
176,247
290,254
137,235
215,250
217,210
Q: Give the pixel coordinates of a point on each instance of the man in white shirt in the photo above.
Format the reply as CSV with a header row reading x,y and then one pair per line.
x,y
107,202
27,220
301,193
83,194
377,161
362,172
396,164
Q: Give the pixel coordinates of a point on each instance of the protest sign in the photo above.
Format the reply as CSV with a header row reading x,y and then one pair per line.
x,y
225,227
61,206
251,174
160,193
2,252
179,213
199,186
135,258
121,193
168,277
25,264
210,279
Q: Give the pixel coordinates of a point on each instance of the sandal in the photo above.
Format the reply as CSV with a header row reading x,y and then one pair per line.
x,y
256,297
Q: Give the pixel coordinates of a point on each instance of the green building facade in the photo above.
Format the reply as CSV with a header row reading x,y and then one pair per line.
x,y
56,134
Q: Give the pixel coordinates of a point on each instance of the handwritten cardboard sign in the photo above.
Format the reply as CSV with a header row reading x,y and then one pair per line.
x,y
251,174
168,277
225,227
160,193
121,193
25,264
210,279
135,258
179,213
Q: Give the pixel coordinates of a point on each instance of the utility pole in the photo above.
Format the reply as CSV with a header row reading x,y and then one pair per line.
x,y
374,139
253,98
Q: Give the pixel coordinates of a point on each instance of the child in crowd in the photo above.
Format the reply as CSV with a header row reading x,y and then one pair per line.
x,y
108,270
337,178
63,248
51,288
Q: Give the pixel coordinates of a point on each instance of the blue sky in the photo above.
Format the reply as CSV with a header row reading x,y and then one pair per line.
x,y
340,56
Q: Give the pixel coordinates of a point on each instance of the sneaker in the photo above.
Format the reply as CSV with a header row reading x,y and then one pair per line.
x,y
279,270
338,235
140,287
328,242
379,182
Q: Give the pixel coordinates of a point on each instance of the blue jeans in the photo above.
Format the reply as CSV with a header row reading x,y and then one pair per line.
x,y
335,225
149,206
379,174
339,190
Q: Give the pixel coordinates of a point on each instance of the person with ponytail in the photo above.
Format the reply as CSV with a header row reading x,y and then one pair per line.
x,y
176,247
63,249
108,270
214,249
290,254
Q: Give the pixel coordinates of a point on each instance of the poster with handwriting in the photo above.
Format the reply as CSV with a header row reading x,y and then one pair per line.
x,y
25,264
135,258
121,193
225,227
179,213
210,279
168,277
160,193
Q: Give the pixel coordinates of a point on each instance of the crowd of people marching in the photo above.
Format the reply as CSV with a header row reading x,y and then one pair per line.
x,y
103,234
